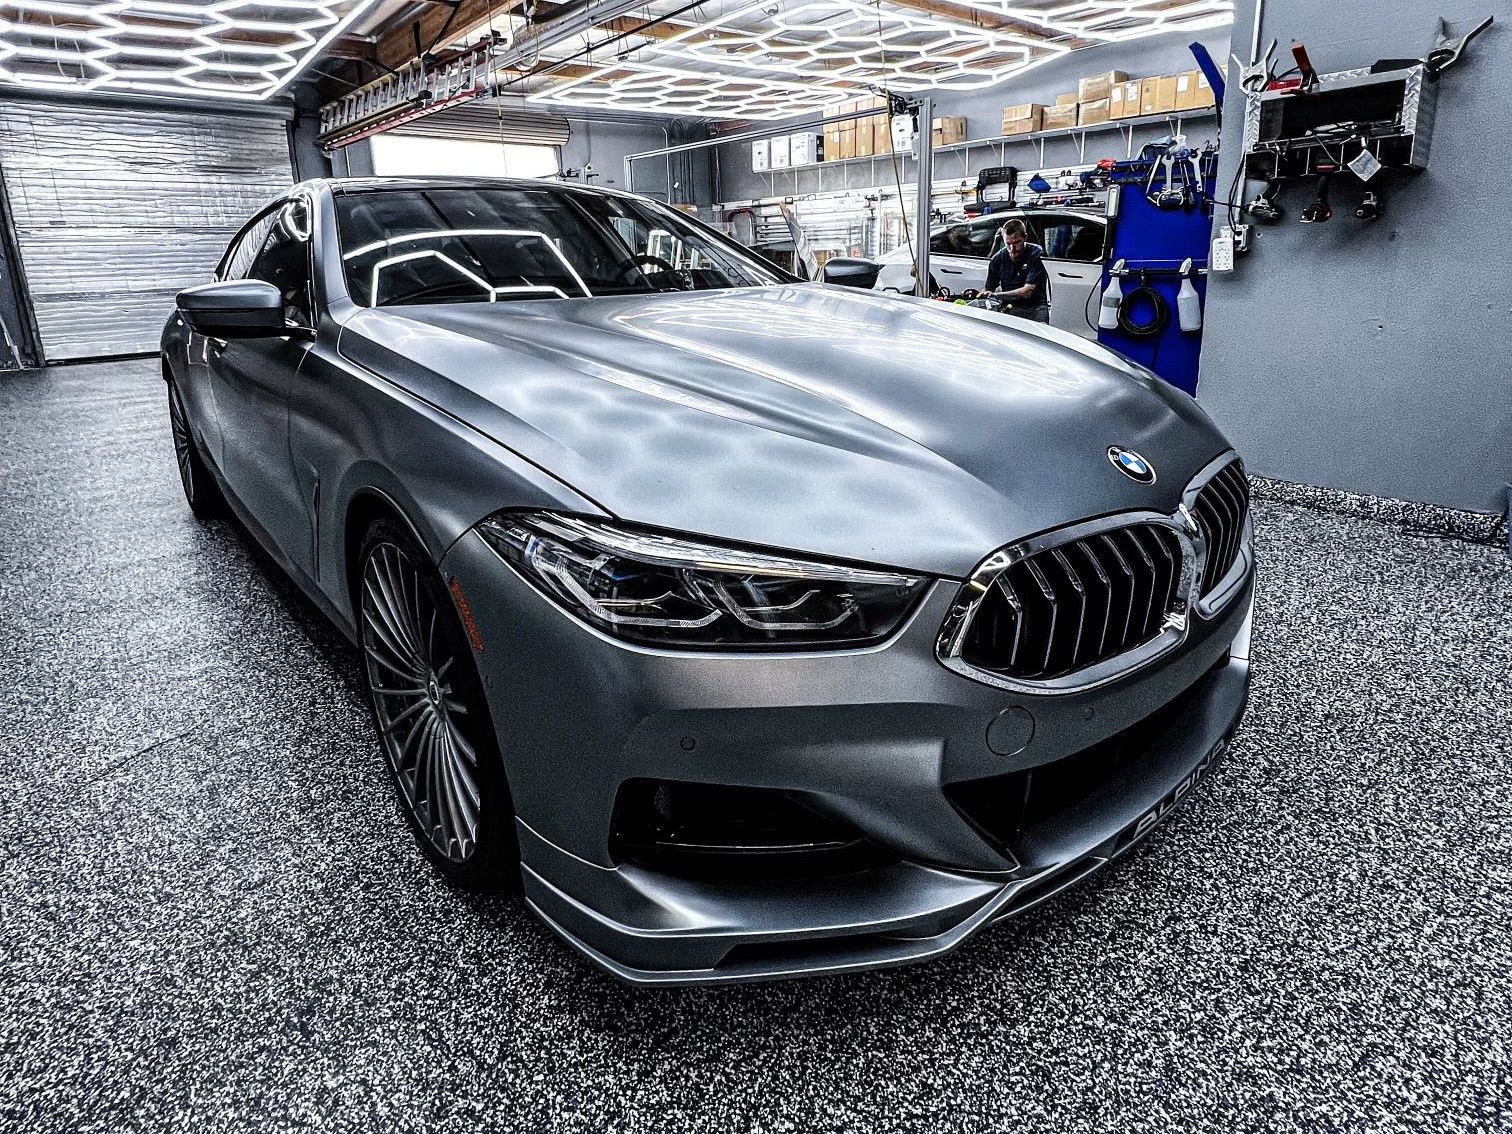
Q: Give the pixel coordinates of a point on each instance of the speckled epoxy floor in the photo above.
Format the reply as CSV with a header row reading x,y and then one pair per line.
x,y
211,918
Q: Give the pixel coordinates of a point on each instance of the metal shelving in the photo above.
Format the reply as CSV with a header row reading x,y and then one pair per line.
x,y
1003,141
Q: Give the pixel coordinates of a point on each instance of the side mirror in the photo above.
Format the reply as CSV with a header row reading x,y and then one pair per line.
x,y
851,271
234,309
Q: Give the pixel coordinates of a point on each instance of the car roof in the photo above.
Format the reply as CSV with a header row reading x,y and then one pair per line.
x,y
347,185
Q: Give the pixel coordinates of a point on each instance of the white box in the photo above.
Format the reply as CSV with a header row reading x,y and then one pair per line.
x,y
804,149
903,136
782,153
761,156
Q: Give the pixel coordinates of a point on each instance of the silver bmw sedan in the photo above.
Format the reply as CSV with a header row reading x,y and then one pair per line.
x,y
752,627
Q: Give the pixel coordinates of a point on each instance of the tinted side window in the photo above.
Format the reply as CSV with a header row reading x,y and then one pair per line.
x,y
284,262
983,236
245,247
1071,238
953,241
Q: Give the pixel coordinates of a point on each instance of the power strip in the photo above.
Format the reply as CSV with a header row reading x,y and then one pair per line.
x,y
1223,251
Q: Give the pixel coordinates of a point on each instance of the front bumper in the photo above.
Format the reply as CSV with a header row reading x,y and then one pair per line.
x,y
882,737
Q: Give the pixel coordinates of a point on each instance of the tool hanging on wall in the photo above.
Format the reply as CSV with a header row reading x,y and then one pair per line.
x,y
1176,178
1367,126
1264,207
1320,210
1304,67
1143,295
1446,51
1158,258
1255,77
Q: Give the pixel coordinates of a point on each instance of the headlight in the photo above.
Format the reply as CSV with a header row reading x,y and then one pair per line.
x,y
669,591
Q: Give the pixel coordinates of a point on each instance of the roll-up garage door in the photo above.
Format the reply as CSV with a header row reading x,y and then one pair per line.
x,y
483,122
116,210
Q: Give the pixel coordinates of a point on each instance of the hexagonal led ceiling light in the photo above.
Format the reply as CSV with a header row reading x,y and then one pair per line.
x,y
237,49
1110,20
670,90
856,42
807,53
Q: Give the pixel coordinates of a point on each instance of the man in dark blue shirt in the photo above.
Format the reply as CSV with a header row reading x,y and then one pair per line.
x,y
1016,275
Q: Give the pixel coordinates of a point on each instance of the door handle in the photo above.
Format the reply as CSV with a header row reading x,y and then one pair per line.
x,y
1068,275
950,271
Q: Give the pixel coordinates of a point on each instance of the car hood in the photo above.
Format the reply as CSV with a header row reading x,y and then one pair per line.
x,y
818,419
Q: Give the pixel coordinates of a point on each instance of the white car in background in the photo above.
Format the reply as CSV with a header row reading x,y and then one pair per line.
x,y
959,251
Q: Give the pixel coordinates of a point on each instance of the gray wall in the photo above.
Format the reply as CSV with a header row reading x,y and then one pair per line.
x,y
605,141
1158,55
1375,357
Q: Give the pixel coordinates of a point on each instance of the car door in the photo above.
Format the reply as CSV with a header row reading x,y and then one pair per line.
x,y
196,384
1073,245
252,378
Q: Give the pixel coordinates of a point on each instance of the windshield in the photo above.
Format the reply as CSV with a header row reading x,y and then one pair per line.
x,y
486,245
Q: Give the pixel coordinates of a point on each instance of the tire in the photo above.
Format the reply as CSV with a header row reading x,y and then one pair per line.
x,y
200,490
432,718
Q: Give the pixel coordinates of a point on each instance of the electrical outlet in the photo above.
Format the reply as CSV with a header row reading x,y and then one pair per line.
x,y
1223,251
1242,239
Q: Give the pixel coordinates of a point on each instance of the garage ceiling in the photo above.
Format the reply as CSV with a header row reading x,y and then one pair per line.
x,y
752,59
774,58
236,49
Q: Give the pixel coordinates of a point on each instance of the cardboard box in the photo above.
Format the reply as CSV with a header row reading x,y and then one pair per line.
x,y
761,156
1121,104
949,129
1025,125
832,142
1058,117
847,140
1024,118
1148,94
1186,90
1067,99
1092,113
1165,94
1204,92
1095,87
865,146
781,154
881,134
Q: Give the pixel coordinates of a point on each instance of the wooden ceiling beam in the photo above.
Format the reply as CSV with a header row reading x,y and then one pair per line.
x,y
974,18
397,46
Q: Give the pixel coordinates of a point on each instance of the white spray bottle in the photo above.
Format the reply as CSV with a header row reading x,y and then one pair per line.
x,y
1112,300
1188,306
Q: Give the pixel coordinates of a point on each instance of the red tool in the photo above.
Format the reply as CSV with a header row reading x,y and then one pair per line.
x,y
1304,65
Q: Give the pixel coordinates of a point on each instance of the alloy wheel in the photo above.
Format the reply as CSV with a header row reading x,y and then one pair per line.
x,y
411,669
183,444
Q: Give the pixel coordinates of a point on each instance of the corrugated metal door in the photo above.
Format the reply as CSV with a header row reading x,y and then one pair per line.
x,y
115,210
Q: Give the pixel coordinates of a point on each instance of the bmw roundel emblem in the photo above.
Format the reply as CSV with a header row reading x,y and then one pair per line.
x,y
1131,464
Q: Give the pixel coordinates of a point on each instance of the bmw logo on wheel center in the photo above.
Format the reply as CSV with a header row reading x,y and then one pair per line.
x,y
1131,464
